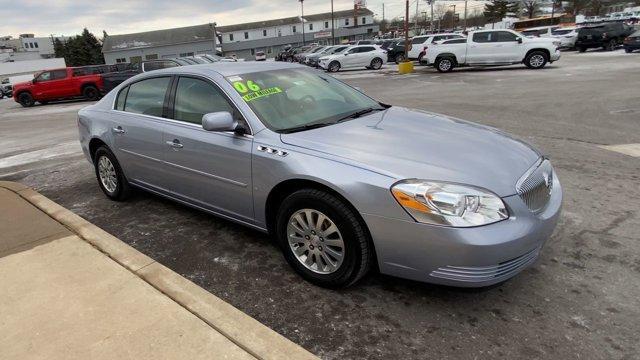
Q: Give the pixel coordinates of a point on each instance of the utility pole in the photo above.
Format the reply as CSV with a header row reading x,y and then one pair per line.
x,y
213,32
415,28
406,30
431,22
465,15
333,35
453,17
302,20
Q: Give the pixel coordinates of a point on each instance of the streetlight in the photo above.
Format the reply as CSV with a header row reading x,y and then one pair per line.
x,y
302,19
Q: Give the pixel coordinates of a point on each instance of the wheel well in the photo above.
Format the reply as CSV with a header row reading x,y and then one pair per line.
x,y
94,144
86,85
446,55
22,92
543,50
288,187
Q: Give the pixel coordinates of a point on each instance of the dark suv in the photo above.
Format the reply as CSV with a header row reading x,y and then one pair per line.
x,y
606,36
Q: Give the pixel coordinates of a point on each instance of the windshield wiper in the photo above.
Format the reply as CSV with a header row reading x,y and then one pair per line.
x,y
358,113
306,127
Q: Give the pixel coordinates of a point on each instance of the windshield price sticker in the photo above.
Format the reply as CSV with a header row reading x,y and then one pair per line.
x,y
261,93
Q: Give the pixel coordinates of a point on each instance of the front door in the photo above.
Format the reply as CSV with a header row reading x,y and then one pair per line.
x,y
508,47
482,48
137,126
209,169
51,85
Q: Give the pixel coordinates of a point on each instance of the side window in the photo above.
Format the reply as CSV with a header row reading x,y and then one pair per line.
x,y
195,97
353,50
367,49
438,38
483,37
122,96
505,36
45,76
58,74
419,40
147,96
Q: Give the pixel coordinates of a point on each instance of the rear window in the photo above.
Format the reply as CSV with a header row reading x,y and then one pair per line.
x,y
561,32
419,40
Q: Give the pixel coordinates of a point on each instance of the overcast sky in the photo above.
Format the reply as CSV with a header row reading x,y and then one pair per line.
x,y
69,17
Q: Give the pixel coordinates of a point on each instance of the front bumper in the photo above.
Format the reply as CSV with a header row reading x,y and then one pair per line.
x,y
465,257
555,56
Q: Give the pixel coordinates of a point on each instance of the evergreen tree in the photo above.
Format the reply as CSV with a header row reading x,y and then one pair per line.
x,y
81,50
498,9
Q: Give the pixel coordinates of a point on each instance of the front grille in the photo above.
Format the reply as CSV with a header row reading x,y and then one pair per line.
x,y
534,188
502,270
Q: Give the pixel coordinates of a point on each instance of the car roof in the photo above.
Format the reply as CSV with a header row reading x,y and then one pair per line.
x,y
541,27
230,68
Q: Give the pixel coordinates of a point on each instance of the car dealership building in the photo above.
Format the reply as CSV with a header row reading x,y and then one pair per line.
x,y
241,40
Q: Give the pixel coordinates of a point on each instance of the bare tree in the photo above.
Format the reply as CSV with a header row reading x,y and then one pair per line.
x,y
531,8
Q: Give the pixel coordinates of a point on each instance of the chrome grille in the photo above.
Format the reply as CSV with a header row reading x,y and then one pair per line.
x,y
534,188
502,270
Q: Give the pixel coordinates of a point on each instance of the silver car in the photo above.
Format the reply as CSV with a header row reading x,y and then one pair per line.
x,y
343,182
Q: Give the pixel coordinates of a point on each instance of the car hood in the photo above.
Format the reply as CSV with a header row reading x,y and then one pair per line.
x,y
405,144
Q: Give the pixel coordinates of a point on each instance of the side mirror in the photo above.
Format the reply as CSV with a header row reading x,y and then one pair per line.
x,y
219,121
519,40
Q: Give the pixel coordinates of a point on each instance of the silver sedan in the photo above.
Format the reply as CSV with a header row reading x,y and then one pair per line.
x,y
344,183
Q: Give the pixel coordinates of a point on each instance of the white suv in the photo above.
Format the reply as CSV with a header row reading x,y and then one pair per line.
x,y
359,56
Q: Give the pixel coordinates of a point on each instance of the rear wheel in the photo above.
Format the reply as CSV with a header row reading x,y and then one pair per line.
x,y
110,176
444,64
582,49
376,64
628,50
26,100
610,46
334,66
323,239
399,58
91,93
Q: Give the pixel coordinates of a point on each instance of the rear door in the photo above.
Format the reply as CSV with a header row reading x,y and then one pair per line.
x,y
137,130
207,168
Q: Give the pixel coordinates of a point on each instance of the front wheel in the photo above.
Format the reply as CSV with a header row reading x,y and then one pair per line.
x,y
376,64
110,176
536,60
628,50
444,64
91,93
26,100
334,66
323,239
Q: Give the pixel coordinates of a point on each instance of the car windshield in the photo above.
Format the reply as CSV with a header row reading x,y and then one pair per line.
x,y
290,100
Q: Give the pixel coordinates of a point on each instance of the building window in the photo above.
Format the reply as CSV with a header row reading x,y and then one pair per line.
x,y
230,37
294,28
364,20
279,32
326,24
151,57
269,50
186,54
310,26
246,35
31,45
346,21
253,51
36,45
121,60
264,32
135,59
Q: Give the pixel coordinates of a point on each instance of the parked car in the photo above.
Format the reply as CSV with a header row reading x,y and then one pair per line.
x,y
395,52
492,48
632,42
540,31
606,36
260,56
313,59
358,56
342,182
216,58
301,55
6,89
567,36
58,84
418,43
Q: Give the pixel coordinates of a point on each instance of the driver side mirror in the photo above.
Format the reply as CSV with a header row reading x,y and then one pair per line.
x,y
519,40
219,121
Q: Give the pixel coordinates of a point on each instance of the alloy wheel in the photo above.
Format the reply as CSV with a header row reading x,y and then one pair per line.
x,y
536,61
107,173
316,241
445,64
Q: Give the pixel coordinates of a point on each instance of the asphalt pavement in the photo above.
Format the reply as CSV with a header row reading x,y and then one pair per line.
x,y
581,300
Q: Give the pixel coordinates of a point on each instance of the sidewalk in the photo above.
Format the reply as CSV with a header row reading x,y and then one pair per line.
x,y
69,290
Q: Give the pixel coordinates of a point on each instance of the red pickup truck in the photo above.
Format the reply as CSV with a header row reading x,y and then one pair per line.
x,y
59,84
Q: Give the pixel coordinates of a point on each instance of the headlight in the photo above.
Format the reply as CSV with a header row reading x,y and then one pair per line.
x,y
449,204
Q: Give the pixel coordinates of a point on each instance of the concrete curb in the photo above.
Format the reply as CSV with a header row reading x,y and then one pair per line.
x,y
246,332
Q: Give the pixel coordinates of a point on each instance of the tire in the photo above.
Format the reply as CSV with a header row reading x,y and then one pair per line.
x,y
26,100
582,49
536,60
121,189
357,252
628,50
610,46
334,66
399,58
376,64
91,93
444,64
290,59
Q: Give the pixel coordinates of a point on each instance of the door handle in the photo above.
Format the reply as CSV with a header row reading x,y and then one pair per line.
x,y
175,144
118,130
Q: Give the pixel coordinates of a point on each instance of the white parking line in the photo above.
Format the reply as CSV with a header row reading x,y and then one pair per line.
x,y
63,149
627,149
